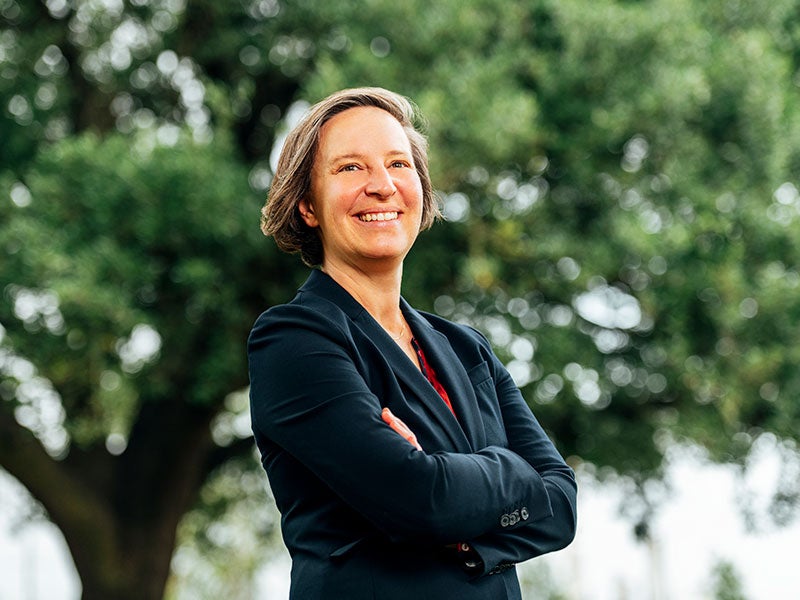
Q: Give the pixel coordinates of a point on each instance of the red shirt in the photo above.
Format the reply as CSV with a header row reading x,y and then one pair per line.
x,y
430,374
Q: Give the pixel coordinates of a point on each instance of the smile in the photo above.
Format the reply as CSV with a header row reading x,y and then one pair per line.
x,y
383,216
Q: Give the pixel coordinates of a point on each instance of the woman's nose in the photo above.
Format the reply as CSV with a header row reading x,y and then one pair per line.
x,y
380,183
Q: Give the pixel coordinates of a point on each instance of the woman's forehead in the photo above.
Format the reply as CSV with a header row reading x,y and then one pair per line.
x,y
362,130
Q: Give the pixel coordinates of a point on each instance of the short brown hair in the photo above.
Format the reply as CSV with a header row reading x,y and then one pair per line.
x,y
280,216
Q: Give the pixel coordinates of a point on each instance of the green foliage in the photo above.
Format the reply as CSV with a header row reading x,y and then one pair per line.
x,y
123,235
225,536
622,150
727,584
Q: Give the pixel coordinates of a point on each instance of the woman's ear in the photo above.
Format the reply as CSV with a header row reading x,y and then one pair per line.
x,y
307,213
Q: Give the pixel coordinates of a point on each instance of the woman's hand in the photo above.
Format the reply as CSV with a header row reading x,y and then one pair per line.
x,y
400,428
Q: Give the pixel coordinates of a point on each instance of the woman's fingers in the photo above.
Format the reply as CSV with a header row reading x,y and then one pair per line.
x,y
400,428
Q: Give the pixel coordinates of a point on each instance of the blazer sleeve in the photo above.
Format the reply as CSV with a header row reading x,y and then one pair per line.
x,y
308,397
527,439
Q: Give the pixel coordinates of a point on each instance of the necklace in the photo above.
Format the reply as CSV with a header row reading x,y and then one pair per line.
x,y
399,335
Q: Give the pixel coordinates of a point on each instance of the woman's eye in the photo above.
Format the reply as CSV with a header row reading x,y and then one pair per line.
x,y
348,168
400,164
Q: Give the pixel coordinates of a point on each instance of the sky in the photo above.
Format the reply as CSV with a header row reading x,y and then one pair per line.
x,y
699,523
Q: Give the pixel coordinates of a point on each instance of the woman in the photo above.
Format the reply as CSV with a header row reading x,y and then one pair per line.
x,y
401,455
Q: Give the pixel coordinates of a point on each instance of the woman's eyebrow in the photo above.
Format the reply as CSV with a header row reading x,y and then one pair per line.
x,y
347,156
359,156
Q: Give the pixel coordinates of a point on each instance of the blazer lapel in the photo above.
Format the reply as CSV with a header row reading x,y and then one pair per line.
x,y
451,373
323,285
410,374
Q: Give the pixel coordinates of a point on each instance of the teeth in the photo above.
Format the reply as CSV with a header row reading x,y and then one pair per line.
x,y
384,216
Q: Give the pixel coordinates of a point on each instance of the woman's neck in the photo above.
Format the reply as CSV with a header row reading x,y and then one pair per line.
x,y
377,291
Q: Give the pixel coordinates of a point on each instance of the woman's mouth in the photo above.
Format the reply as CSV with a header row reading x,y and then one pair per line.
x,y
381,216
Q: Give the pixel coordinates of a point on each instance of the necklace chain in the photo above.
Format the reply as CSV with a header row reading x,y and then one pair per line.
x,y
399,335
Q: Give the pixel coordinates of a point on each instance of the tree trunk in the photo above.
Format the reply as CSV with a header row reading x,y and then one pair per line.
x,y
119,515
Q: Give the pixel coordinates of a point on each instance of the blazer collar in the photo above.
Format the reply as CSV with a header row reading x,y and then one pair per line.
x,y
437,350
323,285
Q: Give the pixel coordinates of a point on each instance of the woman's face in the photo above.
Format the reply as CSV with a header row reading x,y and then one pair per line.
x,y
366,196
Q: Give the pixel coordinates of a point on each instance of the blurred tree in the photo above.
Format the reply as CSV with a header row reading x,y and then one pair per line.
x,y
622,177
620,180
129,282
727,584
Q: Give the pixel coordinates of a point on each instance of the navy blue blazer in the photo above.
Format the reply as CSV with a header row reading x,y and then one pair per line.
x,y
364,515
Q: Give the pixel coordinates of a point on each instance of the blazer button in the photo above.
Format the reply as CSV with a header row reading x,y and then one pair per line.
x,y
524,513
514,519
505,521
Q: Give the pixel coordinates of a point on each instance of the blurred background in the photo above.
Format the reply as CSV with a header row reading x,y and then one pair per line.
x,y
620,185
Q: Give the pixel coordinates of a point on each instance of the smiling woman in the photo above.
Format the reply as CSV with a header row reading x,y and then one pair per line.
x,y
401,455
366,196
292,181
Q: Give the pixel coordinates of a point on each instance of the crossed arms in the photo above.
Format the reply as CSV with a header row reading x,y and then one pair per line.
x,y
309,397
